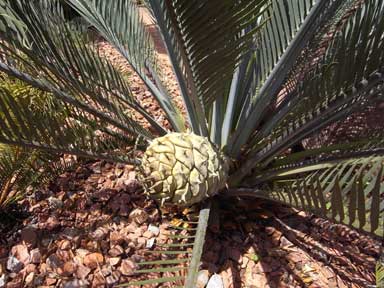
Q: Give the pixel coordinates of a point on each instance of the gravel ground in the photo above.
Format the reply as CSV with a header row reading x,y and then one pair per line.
x,y
93,225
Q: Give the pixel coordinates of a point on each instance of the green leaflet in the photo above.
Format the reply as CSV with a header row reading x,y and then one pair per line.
x,y
20,167
379,273
347,192
65,61
206,49
339,84
120,23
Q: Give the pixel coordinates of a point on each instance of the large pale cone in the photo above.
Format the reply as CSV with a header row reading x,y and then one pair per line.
x,y
183,169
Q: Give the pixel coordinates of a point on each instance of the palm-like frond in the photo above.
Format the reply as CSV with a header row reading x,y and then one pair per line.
x,y
346,191
120,23
206,49
64,62
339,85
35,119
54,130
11,162
380,273
290,25
22,169
342,181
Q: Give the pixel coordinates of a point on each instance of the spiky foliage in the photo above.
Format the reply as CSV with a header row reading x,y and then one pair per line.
x,y
380,273
263,80
23,168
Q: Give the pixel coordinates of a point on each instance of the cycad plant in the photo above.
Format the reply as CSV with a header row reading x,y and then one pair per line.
x,y
22,168
261,81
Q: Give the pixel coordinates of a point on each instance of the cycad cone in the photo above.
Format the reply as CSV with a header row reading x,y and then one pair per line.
x,y
183,169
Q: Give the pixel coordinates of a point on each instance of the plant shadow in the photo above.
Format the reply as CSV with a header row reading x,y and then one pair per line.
x,y
264,244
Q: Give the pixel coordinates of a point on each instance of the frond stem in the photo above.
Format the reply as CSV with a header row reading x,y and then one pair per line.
x,y
64,97
198,246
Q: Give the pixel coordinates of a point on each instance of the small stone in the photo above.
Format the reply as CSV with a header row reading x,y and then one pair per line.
x,y
285,243
70,233
202,278
82,252
53,261
113,261
106,270
50,281
15,283
77,283
21,253
215,282
65,245
270,230
51,223
93,260
55,203
150,243
114,278
131,228
127,267
154,229
100,233
148,234
2,280
98,280
141,242
29,236
276,238
13,264
30,268
38,281
116,250
69,268
138,215
35,256
302,214
29,279
43,268
82,271
245,262
96,168
64,255
12,275
116,238
92,245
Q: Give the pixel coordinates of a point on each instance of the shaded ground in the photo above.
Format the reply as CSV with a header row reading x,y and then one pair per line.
x,y
261,244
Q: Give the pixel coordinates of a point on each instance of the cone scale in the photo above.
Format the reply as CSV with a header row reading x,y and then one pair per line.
x,y
183,169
